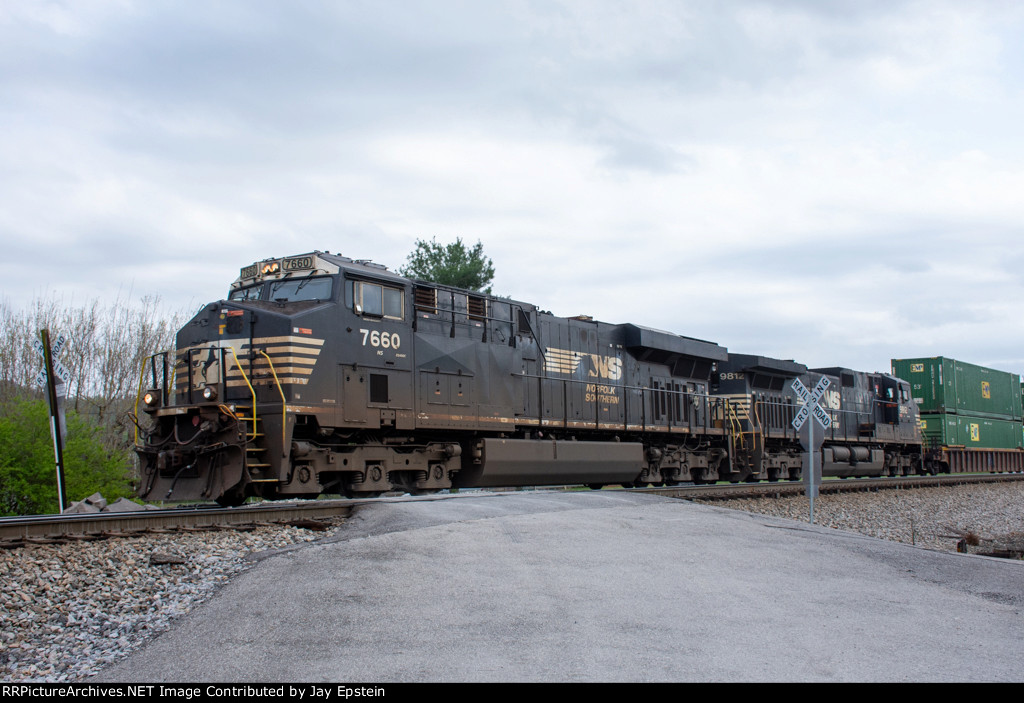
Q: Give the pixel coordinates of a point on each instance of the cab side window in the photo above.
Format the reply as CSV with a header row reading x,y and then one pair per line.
x,y
377,300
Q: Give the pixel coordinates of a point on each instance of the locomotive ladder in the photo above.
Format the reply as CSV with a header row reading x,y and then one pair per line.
x,y
743,455
253,445
259,461
247,414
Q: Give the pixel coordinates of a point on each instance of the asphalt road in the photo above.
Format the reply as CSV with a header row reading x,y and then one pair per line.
x,y
596,586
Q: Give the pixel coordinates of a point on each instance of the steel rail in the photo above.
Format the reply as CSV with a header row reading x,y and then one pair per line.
x,y
15,531
829,486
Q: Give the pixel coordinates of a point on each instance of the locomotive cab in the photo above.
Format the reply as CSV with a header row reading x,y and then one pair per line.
x,y
874,428
218,420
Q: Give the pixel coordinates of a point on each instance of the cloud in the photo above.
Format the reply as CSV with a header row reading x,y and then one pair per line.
x,y
835,182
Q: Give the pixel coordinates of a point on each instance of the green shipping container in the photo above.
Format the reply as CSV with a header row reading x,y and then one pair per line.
x,y
941,385
971,431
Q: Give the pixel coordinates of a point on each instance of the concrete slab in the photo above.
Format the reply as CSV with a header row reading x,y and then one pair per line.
x,y
596,586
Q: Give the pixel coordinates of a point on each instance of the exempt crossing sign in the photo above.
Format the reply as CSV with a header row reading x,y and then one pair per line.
x,y
58,368
811,399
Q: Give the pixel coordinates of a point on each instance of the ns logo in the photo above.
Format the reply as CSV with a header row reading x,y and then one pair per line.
x,y
609,367
832,399
564,361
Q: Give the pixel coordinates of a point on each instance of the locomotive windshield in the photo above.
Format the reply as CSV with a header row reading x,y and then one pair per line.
x,y
290,291
287,290
249,293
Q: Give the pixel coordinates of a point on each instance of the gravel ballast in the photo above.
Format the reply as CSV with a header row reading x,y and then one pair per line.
x,y
69,610
989,517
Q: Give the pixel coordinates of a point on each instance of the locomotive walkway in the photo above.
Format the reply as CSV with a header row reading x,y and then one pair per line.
x,y
596,586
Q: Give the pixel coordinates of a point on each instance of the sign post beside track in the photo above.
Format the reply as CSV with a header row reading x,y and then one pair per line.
x,y
809,408
56,378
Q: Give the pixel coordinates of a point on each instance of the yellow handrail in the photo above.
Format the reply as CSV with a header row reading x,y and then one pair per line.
x,y
284,406
737,428
251,389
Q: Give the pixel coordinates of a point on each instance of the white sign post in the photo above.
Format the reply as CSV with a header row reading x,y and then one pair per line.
x,y
810,407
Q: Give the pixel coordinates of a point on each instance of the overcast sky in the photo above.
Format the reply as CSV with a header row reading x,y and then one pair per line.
x,y
835,182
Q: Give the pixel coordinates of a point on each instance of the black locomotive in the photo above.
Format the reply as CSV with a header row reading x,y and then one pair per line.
x,y
322,374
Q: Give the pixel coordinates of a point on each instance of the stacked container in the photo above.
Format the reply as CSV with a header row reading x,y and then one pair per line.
x,y
964,405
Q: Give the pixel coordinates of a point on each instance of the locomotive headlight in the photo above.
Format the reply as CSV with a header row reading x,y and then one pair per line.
x,y
210,393
150,400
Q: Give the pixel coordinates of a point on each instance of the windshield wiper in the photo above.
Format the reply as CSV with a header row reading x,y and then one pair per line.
x,y
278,284
307,279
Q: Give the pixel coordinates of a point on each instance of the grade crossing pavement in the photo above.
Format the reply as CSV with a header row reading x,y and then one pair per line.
x,y
595,586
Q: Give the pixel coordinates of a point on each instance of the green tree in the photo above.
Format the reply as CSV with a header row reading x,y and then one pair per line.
x,y
28,479
450,264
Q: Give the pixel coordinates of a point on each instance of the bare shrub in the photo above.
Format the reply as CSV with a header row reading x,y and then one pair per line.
x,y
107,344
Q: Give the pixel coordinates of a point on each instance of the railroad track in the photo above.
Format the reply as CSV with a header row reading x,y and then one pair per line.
x,y
39,529
18,531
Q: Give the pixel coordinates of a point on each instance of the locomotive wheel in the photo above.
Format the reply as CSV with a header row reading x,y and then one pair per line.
x,y
363,494
231,500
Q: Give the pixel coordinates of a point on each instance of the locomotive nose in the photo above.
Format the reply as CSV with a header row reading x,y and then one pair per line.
x,y
216,320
